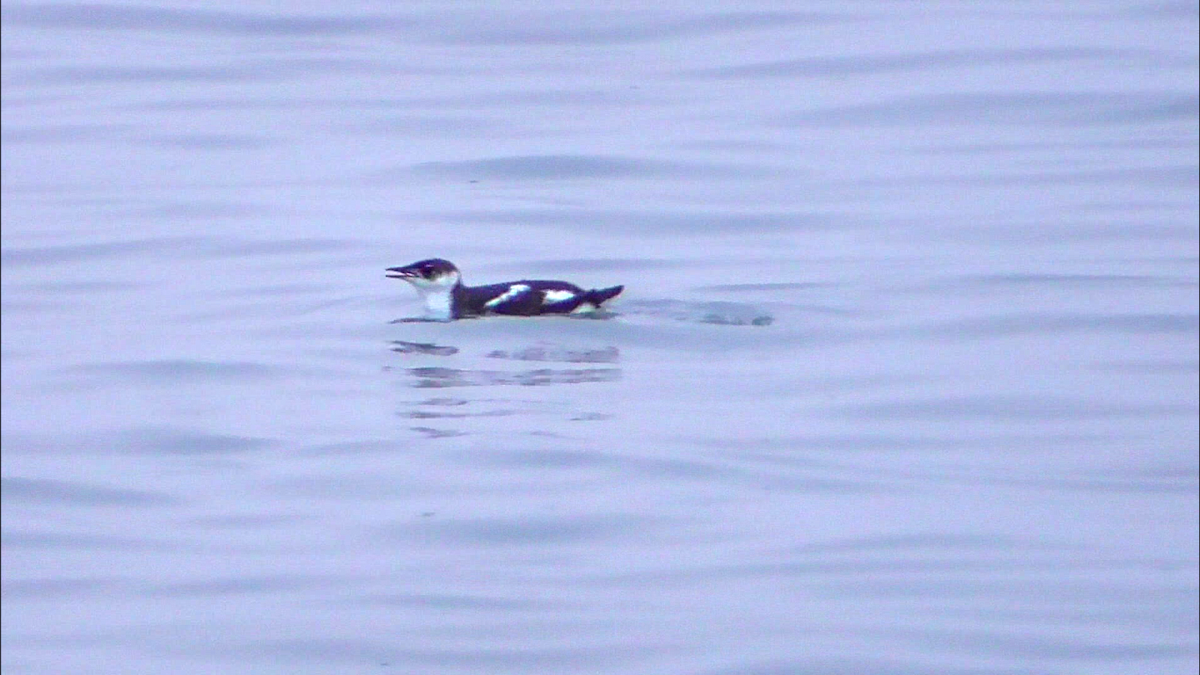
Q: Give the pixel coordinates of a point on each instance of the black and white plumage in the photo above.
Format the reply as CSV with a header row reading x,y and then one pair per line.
x,y
446,298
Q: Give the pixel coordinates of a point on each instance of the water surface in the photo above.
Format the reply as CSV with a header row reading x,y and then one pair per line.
x,y
904,379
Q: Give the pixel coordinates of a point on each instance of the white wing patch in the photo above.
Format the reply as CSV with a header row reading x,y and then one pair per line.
x,y
514,291
555,297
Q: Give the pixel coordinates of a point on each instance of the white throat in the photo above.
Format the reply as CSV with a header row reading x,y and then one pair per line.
x,y
438,303
437,295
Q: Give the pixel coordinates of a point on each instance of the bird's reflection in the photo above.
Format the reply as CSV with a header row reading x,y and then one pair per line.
x,y
402,347
438,378
586,365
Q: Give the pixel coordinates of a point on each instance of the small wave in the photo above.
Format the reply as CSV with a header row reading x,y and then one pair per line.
x,y
720,313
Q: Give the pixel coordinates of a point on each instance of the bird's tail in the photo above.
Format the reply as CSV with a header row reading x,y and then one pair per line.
x,y
596,296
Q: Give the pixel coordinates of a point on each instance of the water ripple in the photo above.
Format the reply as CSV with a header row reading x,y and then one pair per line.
x,y
922,61
560,167
98,16
15,489
1028,108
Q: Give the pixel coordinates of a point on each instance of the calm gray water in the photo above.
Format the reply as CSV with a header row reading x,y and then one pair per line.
x,y
904,379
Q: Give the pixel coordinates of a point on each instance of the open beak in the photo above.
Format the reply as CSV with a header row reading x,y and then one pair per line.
x,y
401,273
